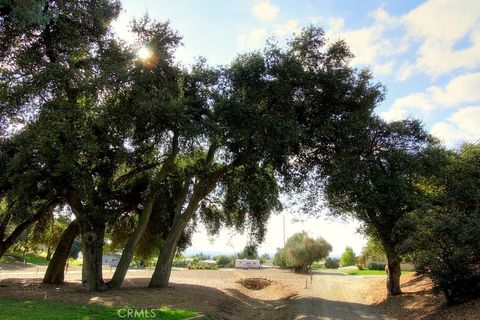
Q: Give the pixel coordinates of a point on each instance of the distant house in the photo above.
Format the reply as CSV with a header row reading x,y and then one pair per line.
x,y
247,263
111,259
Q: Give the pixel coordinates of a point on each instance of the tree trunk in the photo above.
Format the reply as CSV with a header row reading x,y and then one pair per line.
x,y
55,273
49,253
161,275
393,276
3,248
92,250
129,250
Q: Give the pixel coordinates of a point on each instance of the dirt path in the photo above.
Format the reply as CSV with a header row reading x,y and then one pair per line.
x,y
333,295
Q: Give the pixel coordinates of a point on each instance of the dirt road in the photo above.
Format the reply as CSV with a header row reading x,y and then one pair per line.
x,y
332,295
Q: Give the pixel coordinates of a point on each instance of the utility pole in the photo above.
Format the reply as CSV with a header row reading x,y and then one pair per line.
x,y
284,230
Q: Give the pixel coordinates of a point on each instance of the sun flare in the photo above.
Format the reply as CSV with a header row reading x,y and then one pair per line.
x,y
144,53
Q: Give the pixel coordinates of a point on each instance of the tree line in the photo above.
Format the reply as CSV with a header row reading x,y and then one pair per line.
x,y
144,148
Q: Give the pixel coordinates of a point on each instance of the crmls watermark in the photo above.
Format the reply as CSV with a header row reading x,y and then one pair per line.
x,y
128,313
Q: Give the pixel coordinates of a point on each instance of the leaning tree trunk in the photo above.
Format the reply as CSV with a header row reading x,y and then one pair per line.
x,y
92,249
55,273
393,276
129,250
161,275
3,248
24,225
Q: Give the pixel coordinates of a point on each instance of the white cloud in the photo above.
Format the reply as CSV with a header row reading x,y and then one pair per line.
x,y
335,25
439,25
384,68
370,45
462,126
459,91
265,10
434,30
253,39
288,28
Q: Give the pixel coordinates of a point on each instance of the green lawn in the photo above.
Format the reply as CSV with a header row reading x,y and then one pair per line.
x,y
49,310
369,272
31,258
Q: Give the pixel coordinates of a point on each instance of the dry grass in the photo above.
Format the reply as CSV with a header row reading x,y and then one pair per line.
x,y
419,302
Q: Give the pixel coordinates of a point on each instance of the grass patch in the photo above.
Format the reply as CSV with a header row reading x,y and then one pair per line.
x,y
51,310
369,272
73,262
31,258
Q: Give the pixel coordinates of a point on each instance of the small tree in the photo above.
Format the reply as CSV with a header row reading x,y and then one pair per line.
x,y
347,258
249,252
280,258
302,251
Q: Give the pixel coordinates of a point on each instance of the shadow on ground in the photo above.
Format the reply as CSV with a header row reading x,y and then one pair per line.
x,y
219,304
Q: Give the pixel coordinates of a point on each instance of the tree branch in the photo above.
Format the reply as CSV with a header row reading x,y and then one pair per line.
x,y
129,175
29,221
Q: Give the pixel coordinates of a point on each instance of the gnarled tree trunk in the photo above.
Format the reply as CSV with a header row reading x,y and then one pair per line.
x,y
55,273
92,250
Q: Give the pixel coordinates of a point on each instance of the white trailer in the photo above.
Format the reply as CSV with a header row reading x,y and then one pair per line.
x,y
247,264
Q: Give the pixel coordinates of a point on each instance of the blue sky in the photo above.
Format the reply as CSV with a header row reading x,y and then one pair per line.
x,y
426,53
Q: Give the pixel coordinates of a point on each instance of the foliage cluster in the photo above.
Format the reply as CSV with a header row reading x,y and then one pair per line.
x,y
301,252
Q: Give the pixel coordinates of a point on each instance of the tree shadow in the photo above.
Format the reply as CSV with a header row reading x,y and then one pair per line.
x,y
210,301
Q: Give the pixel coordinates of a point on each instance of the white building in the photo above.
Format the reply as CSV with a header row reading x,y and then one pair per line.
x,y
247,264
111,259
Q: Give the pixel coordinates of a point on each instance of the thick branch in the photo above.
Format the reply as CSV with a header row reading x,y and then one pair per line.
x,y
29,221
129,175
4,224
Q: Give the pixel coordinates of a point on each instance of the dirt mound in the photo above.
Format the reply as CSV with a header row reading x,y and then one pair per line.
x,y
255,283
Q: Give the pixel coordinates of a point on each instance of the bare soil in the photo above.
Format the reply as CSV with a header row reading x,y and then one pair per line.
x,y
211,292
255,283
418,301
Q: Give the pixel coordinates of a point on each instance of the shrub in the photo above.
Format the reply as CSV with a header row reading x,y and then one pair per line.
x,y
202,267
225,261
445,244
332,263
280,258
181,263
376,266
